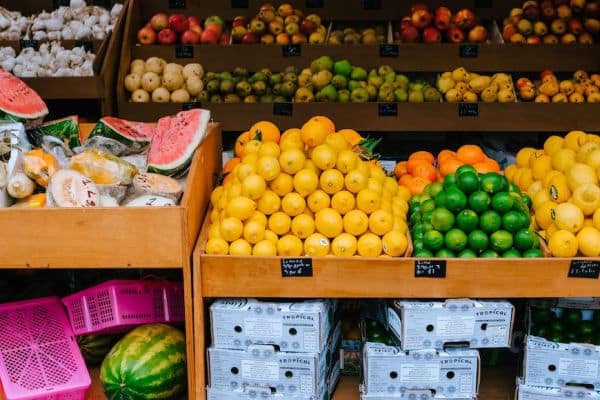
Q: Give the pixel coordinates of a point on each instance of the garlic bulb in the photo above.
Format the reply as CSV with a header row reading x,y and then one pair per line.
x,y
40,36
67,33
8,64
54,35
78,4
4,22
116,11
54,24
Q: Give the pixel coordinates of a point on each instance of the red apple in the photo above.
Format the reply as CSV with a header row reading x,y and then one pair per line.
x,y
558,27
178,23
443,18
508,31
432,35
190,37
421,19
257,26
464,19
564,12
283,39
215,27
455,35
197,28
518,38
523,82
307,26
291,19
239,21
299,38
225,39
250,38
159,21
209,37
146,35
214,19
546,73
275,27
548,13
167,36
478,34
585,38
406,21
418,6
267,39
410,34
592,25
568,38
592,9
550,39
285,9
193,21
534,40
575,27
238,32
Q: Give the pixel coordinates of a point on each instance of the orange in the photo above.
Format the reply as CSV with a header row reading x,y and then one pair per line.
x,y
405,180
470,154
426,171
326,121
445,155
315,132
337,141
400,169
411,165
417,185
265,131
450,166
422,155
291,139
228,167
353,137
240,142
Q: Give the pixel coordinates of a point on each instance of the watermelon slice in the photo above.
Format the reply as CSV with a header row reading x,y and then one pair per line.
x,y
175,141
126,132
20,103
66,129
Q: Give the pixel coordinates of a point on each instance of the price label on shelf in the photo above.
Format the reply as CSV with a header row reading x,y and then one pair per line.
x,y
430,268
184,51
468,51
589,269
191,105
314,4
25,43
284,109
388,109
296,267
291,50
468,110
372,4
177,4
388,50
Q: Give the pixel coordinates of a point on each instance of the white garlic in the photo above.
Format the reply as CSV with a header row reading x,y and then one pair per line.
x,y
36,59
4,22
40,36
7,52
104,19
83,33
77,4
8,64
54,24
44,49
43,15
75,60
38,24
67,33
75,24
116,10
18,69
54,35
28,74
90,21
63,72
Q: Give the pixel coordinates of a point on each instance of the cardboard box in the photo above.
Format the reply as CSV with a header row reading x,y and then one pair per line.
x,y
294,327
389,371
556,365
414,395
477,324
525,392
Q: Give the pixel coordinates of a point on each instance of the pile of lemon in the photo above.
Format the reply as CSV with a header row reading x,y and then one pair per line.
x,y
562,180
307,192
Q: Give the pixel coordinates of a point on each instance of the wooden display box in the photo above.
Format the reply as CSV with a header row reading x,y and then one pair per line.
x,y
123,237
100,86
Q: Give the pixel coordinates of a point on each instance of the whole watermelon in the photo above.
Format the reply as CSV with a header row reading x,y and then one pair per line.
x,y
95,347
147,363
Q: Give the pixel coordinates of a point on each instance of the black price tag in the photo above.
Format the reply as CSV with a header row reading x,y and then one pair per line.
x,y
484,3
372,4
25,43
584,269
101,3
469,51
86,44
468,110
388,50
177,4
292,50
184,51
191,105
430,268
314,4
388,109
239,4
284,109
296,267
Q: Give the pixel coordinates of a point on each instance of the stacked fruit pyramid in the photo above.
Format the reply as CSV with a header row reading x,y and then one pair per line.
x,y
307,192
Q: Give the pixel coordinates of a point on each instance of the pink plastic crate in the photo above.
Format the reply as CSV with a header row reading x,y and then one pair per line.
x,y
117,305
39,357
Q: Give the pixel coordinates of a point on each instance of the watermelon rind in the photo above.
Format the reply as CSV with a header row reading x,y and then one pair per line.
x,y
66,129
95,347
148,363
185,158
20,103
117,129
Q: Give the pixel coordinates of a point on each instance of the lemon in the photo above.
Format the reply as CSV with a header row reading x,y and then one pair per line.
x,y
376,173
337,141
324,156
271,236
343,202
303,226
356,222
316,245
510,171
306,182
234,190
231,229
289,246
525,177
552,229
563,244
265,247
268,167
252,146
280,223
554,174
245,170
563,159
254,232
318,200
587,198
270,149
293,204
381,222
251,158
241,208
568,217
403,192
588,240
216,195
553,144
558,189
344,245
291,139
329,222
292,161
240,247
575,139
214,231
282,185
369,245
585,150
367,201
346,161
254,186
375,185
593,159
540,167
400,225
579,174
214,215
390,186
394,243
355,181
544,214
217,246
523,155
259,217
269,203
331,181
310,165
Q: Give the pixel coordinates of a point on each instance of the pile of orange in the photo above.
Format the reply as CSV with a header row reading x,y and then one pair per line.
x,y
423,168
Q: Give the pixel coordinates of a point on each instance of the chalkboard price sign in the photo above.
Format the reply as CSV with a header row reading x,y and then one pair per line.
x,y
388,50
430,268
191,105
584,269
468,110
292,50
177,4
296,267
469,51
388,109
283,109
184,51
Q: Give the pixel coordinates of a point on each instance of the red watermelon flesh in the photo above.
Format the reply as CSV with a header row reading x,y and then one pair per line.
x,y
175,140
18,102
126,132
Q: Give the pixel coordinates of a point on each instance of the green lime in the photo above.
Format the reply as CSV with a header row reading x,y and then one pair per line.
x,y
445,253
524,239
511,253
525,220
467,220
511,221
502,202
586,329
572,317
478,241
489,254
433,240
417,235
440,199
424,253
415,199
465,168
467,181
427,227
572,337
490,221
533,253
442,219
493,183
424,197
435,188
526,200
449,180
467,253
501,241
480,201
542,316
427,216
456,200
427,205
415,218
512,187
418,244
427,190
455,240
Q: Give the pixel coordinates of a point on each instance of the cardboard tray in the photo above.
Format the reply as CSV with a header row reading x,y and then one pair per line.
x,y
123,237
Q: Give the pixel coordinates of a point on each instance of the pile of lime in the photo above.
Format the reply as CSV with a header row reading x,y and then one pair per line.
x,y
471,215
